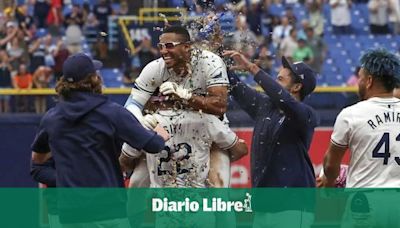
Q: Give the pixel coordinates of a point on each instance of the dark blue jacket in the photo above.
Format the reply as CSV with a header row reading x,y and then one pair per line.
x,y
282,134
46,174
85,133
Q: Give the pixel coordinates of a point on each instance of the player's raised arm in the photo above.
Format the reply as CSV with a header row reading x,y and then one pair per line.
x,y
215,102
248,98
143,88
294,82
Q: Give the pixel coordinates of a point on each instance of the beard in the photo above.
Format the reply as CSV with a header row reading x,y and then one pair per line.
x,y
361,92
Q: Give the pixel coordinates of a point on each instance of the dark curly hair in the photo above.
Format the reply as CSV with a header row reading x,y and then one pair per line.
x,y
180,30
92,83
383,66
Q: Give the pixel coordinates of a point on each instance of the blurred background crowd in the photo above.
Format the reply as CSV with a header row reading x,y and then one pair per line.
x,y
36,36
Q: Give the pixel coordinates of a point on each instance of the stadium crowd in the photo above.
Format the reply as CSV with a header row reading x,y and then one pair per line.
x,y
39,35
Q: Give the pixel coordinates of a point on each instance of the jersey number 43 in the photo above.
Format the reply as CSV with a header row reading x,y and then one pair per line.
x,y
384,142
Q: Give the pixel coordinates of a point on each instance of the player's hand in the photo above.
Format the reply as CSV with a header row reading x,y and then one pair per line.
x,y
323,182
162,132
241,62
149,121
168,88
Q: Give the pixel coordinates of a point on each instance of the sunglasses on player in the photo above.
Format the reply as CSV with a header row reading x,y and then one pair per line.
x,y
169,45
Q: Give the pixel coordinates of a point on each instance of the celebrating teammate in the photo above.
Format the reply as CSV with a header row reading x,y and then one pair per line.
x,y
84,132
369,128
193,79
282,135
185,161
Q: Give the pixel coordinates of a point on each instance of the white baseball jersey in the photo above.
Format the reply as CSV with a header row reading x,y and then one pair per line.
x,y
206,70
185,161
371,130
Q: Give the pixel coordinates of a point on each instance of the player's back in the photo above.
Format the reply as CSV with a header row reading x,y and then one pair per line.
x,y
185,162
374,142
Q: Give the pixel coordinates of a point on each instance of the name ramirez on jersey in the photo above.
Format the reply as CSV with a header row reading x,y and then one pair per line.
x,y
370,129
383,118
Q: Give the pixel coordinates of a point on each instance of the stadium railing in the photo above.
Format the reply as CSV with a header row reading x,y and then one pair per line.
x,y
118,91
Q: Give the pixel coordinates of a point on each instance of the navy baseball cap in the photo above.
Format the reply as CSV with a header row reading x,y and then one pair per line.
x,y
77,67
306,76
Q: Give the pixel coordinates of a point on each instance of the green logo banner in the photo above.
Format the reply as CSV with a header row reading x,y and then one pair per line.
x,y
144,207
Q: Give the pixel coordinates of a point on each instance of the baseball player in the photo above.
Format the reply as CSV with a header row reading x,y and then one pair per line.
x,y
185,161
370,130
84,133
282,136
192,79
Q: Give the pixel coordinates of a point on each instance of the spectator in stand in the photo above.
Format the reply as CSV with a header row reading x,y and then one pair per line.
x,y
353,79
41,9
15,52
145,52
281,31
55,17
253,17
316,18
5,4
268,20
394,16
128,78
75,17
264,59
318,48
303,52
291,17
61,53
243,38
91,22
379,16
340,16
24,20
37,50
352,98
102,11
22,80
289,45
5,81
305,24
50,50
41,80
86,10
73,33
123,8
7,32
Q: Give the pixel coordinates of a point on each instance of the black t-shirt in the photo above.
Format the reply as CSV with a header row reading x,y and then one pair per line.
x,y
102,12
5,77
